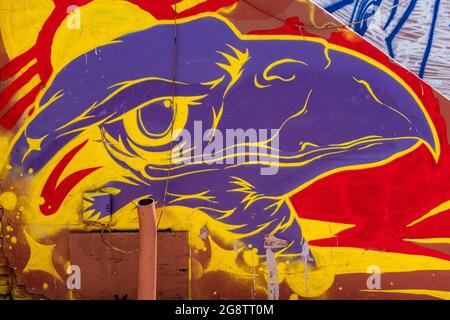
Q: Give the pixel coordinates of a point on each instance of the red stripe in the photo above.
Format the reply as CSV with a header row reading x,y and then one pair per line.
x,y
15,86
15,65
54,194
12,116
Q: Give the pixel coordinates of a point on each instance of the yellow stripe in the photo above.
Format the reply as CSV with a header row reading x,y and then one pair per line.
x,y
369,88
433,293
429,240
441,208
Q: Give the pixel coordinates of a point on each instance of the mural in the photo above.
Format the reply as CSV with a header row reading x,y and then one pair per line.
x,y
275,135
415,33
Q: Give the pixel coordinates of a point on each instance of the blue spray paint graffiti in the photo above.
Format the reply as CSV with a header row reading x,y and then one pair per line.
x,y
415,33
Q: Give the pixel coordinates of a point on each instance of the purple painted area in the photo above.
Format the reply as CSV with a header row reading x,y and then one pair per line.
x,y
339,110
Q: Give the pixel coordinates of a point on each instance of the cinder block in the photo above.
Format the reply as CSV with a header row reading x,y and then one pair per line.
x,y
4,271
4,281
4,289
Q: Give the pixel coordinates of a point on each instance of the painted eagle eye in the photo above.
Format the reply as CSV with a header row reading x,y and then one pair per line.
x,y
153,122
156,119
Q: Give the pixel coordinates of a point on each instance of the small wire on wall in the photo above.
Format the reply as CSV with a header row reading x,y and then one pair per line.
x,y
174,76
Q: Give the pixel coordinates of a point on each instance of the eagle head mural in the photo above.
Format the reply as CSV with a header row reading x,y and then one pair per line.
x,y
221,129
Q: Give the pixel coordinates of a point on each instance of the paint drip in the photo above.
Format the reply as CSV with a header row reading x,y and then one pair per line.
x,y
272,242
306,257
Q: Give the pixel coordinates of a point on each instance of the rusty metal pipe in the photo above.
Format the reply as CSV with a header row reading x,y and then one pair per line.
x,y
147,250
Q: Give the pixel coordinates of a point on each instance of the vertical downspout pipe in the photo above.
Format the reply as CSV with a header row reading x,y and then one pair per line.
x,y
147,250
